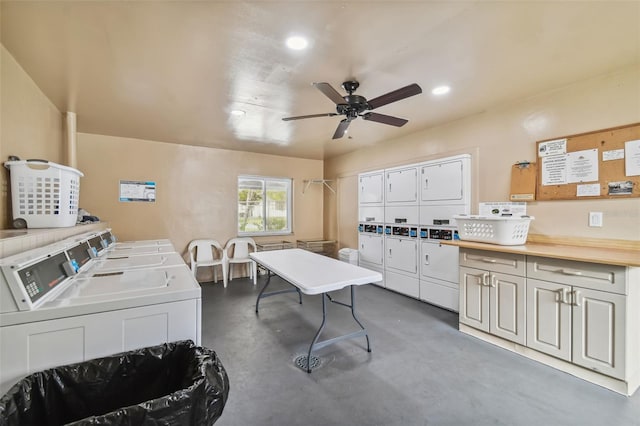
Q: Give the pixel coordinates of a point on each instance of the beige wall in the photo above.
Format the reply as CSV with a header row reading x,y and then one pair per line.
x,y
498,138
196,188
30,125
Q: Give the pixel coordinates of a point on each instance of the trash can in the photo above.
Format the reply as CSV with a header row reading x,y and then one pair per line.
x,y
348,255
173,383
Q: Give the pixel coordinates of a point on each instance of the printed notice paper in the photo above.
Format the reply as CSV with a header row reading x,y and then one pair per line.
x,y
554,170
132,190
632,158
549,148
588,190
582,166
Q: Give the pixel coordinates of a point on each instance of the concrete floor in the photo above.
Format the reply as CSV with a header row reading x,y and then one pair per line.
x,y
421,371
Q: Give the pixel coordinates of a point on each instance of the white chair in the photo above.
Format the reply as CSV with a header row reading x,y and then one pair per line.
x,y
208,253
237,251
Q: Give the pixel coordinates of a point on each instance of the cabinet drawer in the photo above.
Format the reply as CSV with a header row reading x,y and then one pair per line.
x,y
507,263
595,276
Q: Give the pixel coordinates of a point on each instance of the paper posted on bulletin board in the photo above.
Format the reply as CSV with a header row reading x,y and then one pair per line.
x,y
142,191
600,164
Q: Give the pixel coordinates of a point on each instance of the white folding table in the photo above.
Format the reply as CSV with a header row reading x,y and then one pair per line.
x,y
311,273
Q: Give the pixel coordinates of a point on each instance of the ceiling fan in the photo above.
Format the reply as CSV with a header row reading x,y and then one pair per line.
x,y
353,106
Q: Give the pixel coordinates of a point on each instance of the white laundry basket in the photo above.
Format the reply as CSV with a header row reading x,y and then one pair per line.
x,y
348,255
507,231
43,194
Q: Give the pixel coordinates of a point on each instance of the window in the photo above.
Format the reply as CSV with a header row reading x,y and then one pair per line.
x,y
264,205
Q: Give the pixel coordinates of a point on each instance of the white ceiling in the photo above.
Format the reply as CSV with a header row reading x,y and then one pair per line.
x,y
172,71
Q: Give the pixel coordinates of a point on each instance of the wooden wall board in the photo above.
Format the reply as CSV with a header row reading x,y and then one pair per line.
x,y
523,182
609,172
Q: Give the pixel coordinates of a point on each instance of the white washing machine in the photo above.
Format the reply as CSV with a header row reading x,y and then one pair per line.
x,y
59,306
371,247
401,259
439,268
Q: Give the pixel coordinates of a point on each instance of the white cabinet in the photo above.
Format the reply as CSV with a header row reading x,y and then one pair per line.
x,y
580,317
401,186
445,181
493,301
370,190
30,347
568,319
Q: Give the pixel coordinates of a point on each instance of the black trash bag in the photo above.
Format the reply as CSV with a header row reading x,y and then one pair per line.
x,y
171,384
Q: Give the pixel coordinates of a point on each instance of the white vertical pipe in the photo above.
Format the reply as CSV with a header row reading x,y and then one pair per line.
x,y
71,145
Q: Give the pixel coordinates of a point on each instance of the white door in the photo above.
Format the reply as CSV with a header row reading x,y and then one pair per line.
x,y
599,331
439,261
370,190
507,307
401,186
442,181
401,254
371,247
474,298
549,318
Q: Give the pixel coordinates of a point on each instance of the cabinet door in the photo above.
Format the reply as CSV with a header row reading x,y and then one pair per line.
x,y
599,331
401,254
474,298
371,247
441,182
370,190
549,318
507,307
401,186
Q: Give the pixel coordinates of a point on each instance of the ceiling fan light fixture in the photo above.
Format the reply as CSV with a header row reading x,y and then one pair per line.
x,y
441,90
297,43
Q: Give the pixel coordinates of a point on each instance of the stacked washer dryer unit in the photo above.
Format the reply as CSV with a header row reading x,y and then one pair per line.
x,y
445,191
420,201
81,299
401,230
371,222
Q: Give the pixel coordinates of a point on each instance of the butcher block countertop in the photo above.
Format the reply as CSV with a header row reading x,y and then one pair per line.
x,y
609,254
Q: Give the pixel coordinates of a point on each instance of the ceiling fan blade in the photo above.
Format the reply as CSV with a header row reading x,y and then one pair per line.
x,y
342,129
330,92
385,119
396,95
327,114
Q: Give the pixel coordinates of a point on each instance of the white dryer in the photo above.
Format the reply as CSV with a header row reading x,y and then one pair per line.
x,y
55,311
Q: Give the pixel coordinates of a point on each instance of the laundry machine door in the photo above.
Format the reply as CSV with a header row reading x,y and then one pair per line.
x,y
439,261
370,249
401,254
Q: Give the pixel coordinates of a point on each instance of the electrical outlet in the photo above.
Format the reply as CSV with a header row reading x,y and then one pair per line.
x,y
595,219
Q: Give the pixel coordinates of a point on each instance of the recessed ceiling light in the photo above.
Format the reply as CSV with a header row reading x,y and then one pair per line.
x,y
237,112
441,90
297,43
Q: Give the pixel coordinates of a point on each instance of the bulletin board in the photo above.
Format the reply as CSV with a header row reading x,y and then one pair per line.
x,y
600,164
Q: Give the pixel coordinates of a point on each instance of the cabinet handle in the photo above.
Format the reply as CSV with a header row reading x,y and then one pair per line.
x,y
487,260
484,279
563,296
494,281
426,259
389,252
426,184
576,297
570,272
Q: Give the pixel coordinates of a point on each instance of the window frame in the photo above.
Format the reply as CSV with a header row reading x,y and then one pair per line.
x,y
265,180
